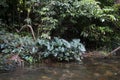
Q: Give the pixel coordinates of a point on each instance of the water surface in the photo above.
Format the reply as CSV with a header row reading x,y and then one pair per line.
x,y
95,70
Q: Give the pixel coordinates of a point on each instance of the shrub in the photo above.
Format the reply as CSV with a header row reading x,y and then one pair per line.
x,y
15,44
32,51
61,49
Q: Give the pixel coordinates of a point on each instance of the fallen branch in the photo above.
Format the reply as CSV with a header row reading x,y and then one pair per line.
x,y
112,52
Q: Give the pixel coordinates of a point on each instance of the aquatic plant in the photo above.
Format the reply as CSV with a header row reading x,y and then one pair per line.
x,y
61,49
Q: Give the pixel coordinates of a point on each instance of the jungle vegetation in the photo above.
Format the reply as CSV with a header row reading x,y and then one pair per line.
x,y
57,29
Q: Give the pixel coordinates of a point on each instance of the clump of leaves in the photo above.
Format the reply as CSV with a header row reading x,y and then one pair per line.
x,y
15,44
32,51
61,49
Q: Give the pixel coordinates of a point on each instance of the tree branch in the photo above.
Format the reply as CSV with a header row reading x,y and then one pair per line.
x,y
112,52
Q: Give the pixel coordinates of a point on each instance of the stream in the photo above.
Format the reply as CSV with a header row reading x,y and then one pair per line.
x,y
95,70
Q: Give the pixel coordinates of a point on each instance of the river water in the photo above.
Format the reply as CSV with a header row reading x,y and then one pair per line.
x,y
88,70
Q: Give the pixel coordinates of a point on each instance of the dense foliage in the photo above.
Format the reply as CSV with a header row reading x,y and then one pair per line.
x,y
14,49
90,20
61,49
33,51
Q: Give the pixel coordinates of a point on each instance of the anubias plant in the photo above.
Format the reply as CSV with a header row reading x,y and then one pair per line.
x,y
14,44
61,49
32,51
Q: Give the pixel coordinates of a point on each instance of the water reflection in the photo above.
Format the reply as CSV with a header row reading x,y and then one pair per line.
x,y
97,70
